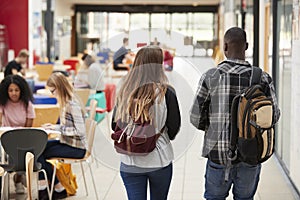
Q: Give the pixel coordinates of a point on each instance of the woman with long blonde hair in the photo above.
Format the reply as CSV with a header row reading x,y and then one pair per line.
x,y
72,142
145,95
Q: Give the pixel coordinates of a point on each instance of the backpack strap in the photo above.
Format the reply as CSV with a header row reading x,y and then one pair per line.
x,y
256,75
255,79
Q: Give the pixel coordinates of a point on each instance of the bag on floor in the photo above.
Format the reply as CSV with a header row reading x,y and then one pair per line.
x,y
252,127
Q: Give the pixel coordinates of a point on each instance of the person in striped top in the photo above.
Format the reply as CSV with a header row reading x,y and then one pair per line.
x,y
72,142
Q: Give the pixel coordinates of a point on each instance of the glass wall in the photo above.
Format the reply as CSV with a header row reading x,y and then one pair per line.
x,y
284,83
96,29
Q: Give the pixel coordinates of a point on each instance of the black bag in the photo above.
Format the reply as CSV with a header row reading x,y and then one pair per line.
x,y
252,127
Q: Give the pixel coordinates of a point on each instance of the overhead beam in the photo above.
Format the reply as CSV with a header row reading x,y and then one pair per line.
x,y
146,8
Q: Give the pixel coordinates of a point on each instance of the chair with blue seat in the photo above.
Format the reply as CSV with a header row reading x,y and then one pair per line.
x,y
103,57
43,99
16,143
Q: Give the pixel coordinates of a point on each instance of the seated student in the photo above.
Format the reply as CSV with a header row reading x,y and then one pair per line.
x,y
120,55
72,142
16,110
16,66
91,75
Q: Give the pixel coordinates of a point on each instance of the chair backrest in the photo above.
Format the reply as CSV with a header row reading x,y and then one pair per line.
x,y
29,160
44,71
92,109
73,63
90,126
110,95
83,94
45,114
16,143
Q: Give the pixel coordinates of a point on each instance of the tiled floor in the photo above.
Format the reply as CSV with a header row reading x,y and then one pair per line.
x,y
189,166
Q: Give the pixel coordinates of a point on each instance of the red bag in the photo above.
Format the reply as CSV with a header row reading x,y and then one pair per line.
x,y
134,138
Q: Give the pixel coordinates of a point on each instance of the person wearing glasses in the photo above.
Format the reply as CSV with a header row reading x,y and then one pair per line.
x,y
72,142
16,110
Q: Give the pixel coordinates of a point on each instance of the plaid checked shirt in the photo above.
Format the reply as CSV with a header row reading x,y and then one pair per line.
x,y
72,126
212,105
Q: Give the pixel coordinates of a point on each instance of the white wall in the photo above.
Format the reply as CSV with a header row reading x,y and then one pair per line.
x,y
295,120
63,9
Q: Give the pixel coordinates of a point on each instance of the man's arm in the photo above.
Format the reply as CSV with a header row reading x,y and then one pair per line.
x,y
199,114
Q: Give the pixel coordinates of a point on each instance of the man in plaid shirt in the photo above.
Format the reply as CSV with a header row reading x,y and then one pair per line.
x,y
211,113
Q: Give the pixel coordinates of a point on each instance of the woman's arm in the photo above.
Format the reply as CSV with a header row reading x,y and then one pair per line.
x,y
173,121
28,122
0,119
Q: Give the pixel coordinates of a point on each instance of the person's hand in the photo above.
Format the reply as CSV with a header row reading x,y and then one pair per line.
x,y
48,126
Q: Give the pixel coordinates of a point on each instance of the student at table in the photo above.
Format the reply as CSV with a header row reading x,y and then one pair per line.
x,y
72,143
91,75
16,110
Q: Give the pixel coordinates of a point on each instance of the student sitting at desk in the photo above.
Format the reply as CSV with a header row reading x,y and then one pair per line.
x,y
72,142
120,55
16,110
91,75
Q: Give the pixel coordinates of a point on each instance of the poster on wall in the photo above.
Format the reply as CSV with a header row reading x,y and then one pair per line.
x,y
36,23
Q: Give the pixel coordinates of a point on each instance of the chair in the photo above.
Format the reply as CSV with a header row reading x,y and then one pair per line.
x,y
42,99
101,103
31,191
110,95
16,143
45,114
90,133
74,63
44,71
83,94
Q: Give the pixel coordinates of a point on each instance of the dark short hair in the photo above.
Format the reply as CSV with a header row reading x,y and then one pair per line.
x,y
235,35
125,40
25,92
84,56
23,53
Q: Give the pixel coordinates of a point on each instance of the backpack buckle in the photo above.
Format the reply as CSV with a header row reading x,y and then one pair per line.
x,y
231,155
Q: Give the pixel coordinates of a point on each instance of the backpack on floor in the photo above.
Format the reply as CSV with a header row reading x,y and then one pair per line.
x,y
252,128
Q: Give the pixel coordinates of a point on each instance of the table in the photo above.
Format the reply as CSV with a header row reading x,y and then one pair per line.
x,y
61,67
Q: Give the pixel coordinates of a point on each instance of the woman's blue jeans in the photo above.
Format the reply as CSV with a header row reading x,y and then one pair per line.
x,y
242,176
136,180
55,149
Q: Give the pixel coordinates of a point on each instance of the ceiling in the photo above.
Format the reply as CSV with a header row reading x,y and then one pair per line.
x,y
146,2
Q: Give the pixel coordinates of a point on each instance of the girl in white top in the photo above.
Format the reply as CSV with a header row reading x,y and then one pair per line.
x,y
145,86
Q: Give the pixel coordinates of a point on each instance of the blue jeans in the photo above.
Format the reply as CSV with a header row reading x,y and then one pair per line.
x,y
55,149
136,183
242,176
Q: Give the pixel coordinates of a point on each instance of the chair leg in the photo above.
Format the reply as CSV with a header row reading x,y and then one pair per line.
x,y
48,189
83,175
5,186
52,182
91,172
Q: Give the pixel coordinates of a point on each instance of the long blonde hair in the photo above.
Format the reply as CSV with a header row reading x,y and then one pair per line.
x,y
145,82
62,86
